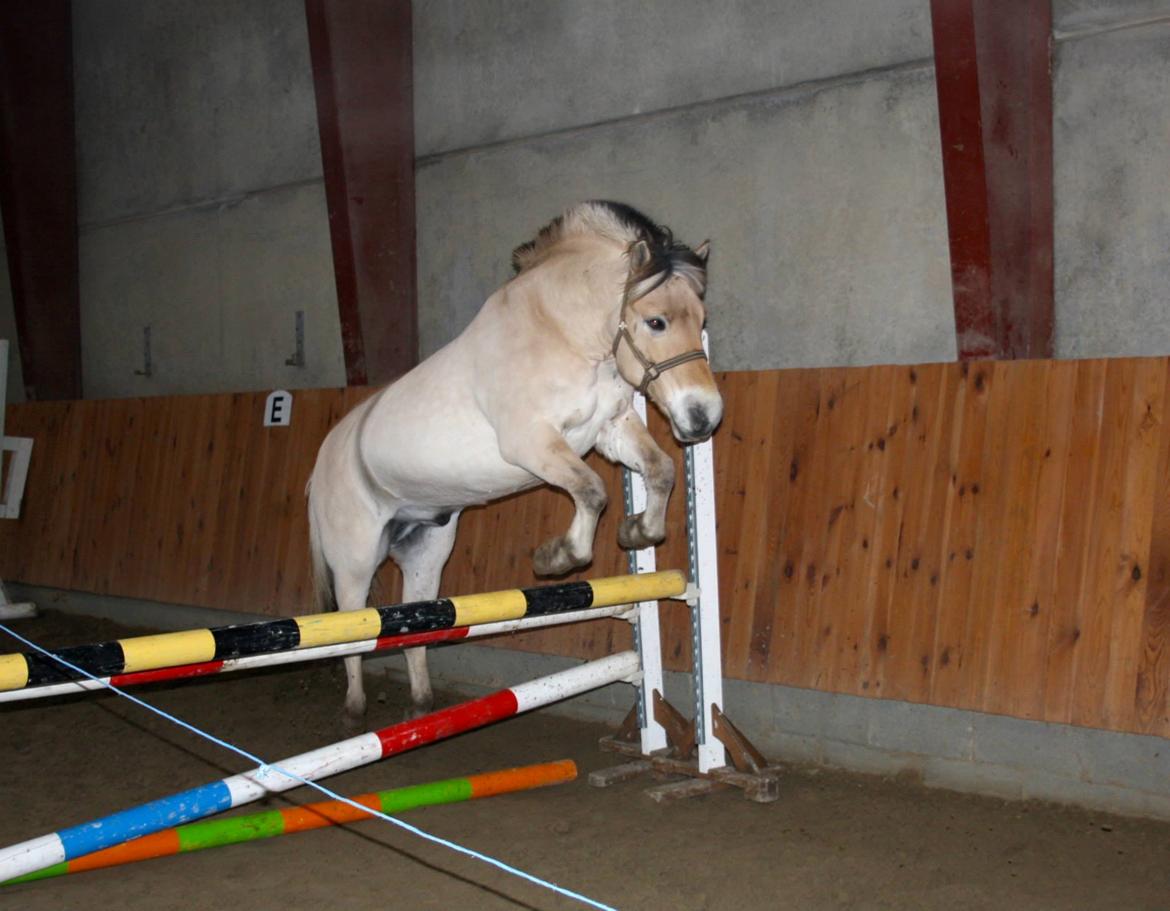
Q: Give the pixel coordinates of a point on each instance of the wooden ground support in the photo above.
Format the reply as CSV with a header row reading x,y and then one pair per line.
x,y
749,771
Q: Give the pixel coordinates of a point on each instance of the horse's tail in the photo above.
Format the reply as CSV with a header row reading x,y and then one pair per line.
x,y
322,574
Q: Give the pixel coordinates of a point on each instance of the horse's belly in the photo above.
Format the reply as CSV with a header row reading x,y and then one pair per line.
x,y
450,473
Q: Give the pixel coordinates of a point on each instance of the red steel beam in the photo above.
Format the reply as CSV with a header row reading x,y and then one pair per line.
x,y
38,192
362,71
993,75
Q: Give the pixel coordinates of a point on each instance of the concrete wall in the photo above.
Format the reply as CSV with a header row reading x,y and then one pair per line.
x,y
809,154
1111,86
201,204
801,137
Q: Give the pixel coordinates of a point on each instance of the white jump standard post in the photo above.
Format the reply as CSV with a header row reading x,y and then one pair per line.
x,y
667,742
12,480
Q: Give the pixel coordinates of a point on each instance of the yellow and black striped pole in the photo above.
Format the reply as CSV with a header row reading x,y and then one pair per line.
x,y
141,653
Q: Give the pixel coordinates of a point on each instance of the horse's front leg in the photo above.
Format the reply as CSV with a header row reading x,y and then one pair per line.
x,y
625,439
543,451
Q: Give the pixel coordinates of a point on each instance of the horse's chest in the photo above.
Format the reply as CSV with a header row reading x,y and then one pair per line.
x,y
583,424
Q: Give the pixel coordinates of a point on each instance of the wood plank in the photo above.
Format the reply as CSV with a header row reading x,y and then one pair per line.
x,y
1078,509
1005,677
812,476
846,416
953,658
1131,578
1091,657
1038,580
919,594
989,550
796,424
1152,684
855,606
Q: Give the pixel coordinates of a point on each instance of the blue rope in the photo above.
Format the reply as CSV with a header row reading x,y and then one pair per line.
x,y
264,768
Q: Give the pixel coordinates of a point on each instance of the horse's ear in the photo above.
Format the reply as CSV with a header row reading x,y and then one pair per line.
x,y
703,250
639,253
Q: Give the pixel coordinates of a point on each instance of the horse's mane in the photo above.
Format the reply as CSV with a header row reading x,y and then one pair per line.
x,y
626,225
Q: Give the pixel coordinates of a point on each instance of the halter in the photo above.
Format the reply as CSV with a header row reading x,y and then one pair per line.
x,y
651,370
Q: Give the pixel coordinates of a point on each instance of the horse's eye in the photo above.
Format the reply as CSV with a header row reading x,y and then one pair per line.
x,y
656,324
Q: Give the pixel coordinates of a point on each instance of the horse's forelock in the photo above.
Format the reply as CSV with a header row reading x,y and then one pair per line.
x,y
663,264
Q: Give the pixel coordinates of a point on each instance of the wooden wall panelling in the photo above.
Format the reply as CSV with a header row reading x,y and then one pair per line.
x,y
987,535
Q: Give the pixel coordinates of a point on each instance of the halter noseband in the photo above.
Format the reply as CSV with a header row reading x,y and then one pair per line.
x,y
652,370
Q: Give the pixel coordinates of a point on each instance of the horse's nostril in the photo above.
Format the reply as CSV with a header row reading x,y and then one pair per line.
x,y
700,421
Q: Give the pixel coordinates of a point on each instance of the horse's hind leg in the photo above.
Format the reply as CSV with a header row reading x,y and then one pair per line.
x,y
353,560
422,554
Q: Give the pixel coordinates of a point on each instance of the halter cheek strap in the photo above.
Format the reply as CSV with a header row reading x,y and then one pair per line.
x,y
651,370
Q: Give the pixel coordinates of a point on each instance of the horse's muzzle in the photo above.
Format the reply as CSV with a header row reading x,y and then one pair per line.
x,y
696,421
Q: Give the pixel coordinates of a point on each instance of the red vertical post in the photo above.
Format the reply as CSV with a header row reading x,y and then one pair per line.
x,y
362,71
38,192
994,81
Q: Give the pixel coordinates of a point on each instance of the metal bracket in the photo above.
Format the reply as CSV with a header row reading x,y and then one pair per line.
x,y
297,359
147,363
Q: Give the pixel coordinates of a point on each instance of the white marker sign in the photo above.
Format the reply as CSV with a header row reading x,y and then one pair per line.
x,y
278,409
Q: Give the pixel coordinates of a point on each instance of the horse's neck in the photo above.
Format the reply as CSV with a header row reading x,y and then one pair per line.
x,y
586,307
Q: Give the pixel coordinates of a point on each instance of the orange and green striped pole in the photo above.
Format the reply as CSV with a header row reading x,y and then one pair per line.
x,y
215,833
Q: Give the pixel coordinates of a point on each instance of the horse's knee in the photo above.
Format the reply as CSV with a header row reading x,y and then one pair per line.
x,y
593,497
659,475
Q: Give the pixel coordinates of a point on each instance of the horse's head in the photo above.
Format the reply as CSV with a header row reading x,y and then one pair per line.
x,y
659,342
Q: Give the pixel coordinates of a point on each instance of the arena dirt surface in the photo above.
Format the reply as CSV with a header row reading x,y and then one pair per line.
x,y
833,841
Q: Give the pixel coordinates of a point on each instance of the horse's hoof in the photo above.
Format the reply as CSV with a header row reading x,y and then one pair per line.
x,y
353,724
415,712
632,534
553,558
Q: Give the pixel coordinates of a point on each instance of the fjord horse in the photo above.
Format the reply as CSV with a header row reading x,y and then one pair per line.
x,y
604,301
